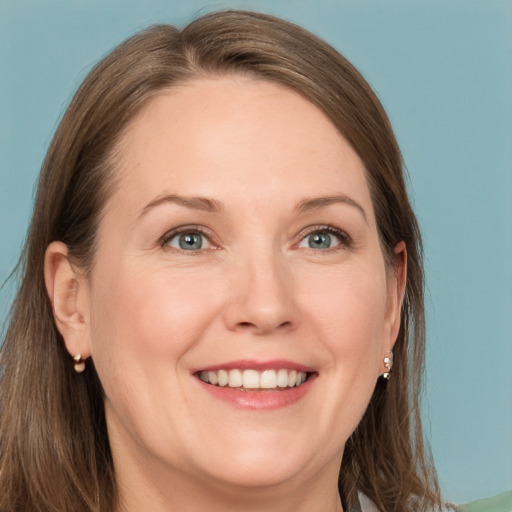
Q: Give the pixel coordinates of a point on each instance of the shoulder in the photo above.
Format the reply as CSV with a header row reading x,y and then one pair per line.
x,y
368,506
500,503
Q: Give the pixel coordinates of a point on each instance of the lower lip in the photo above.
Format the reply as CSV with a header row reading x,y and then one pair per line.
x,y
267,399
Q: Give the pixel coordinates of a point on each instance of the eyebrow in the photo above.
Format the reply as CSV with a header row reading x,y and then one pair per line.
x,y
195,203
211,205
321,202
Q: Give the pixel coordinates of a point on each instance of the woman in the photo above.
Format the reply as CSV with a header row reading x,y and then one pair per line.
x,y
221,302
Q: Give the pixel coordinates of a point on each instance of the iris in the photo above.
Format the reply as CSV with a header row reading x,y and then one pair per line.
x,y
319,241
190,241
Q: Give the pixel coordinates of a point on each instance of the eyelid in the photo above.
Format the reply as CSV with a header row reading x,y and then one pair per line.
x,y
180,230
344,238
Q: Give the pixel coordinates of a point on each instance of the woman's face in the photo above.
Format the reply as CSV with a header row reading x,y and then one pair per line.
x,y
238,250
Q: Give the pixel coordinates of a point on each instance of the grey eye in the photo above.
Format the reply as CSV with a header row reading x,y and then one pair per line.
x,y
188,241
321,239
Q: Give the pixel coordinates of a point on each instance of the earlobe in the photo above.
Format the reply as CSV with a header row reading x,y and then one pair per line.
x,y
68,295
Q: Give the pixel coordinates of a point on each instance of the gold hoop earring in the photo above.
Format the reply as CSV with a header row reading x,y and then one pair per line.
x,y
79,364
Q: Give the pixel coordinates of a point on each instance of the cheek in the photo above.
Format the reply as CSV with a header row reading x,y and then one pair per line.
x,y
144,325
346,312
349,310
148,315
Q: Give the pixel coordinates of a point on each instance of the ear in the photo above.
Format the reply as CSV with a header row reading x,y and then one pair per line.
x,y
67,289
397,281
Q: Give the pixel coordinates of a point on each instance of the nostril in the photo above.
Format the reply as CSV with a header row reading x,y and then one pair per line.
x,y
263,328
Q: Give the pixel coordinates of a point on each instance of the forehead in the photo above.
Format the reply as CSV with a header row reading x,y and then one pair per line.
x,y
236,134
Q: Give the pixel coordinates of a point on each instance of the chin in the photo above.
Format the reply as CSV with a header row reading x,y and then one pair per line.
x,y
262,462
271,473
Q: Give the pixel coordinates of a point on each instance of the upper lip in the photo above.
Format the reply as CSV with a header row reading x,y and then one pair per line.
x,y
250,364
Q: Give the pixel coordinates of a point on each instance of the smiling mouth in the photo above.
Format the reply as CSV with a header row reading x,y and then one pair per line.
x,y
254,380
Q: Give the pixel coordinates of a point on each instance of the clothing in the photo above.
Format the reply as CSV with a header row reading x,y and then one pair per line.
x,y
366,504
500,503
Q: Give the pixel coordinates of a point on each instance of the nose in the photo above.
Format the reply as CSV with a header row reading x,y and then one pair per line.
x,y
262,299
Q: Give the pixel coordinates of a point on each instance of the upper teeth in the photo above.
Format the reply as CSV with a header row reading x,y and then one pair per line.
x,y
253,379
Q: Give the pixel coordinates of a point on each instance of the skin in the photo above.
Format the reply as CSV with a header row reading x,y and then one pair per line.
x,y
150,313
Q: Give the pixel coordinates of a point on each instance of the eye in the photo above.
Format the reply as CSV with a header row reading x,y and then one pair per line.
x,y
324,238
187,240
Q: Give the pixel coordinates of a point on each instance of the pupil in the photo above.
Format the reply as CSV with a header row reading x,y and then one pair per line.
x,y
320,241
190,241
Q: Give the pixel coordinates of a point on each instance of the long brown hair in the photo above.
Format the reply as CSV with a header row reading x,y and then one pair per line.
x,y
54,448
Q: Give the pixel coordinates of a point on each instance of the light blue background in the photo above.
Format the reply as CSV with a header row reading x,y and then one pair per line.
x,y
443,70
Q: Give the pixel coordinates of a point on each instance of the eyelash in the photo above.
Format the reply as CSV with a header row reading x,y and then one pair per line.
x,y
345,241
186,230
